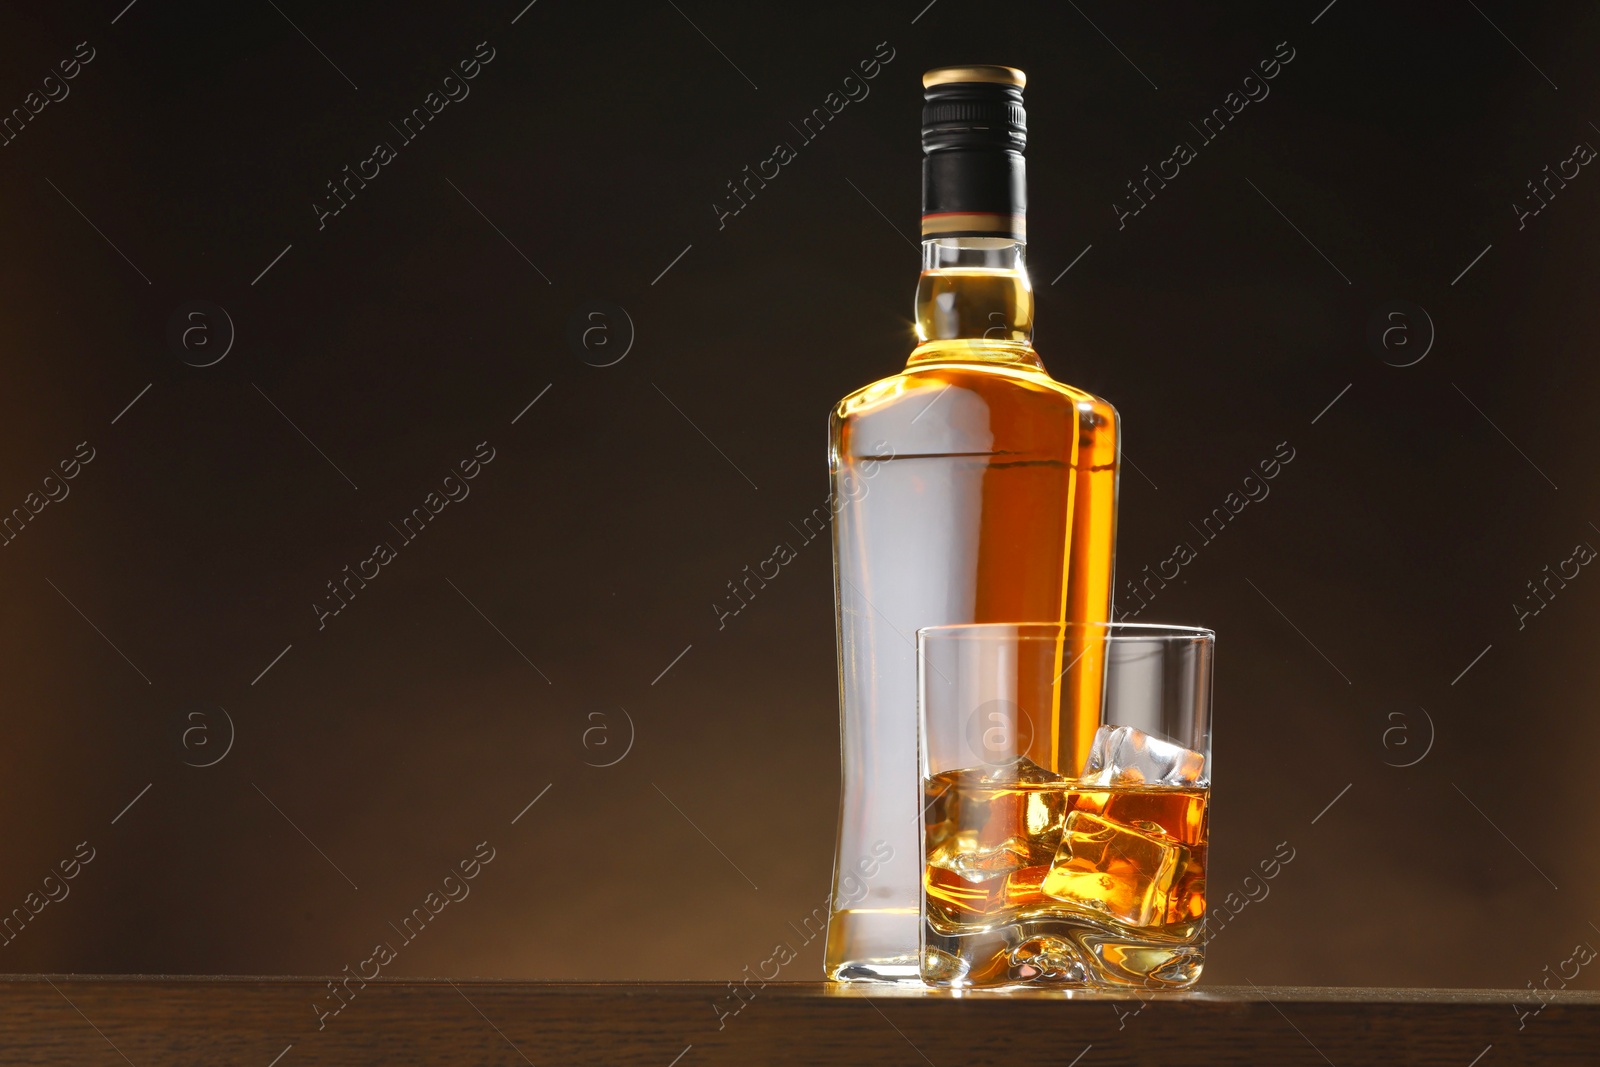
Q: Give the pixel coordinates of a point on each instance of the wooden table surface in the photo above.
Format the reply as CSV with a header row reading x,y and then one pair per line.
x,y
285,1022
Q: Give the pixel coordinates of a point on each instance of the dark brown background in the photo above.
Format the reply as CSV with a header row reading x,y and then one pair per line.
x,y
408,330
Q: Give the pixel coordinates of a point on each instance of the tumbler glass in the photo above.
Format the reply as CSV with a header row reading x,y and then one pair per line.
x,y
1045,864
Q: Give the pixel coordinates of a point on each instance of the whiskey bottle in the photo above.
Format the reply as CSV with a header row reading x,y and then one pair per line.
x,y
970,487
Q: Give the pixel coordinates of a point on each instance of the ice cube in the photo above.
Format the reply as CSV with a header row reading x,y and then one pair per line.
x,y
1019,770
1119,871
984,823
965,854
992,833
1122,755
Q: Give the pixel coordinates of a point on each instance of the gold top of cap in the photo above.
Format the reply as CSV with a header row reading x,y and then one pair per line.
x,y
981,72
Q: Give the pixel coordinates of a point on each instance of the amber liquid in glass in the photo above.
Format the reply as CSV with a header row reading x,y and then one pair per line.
x,y
1033,879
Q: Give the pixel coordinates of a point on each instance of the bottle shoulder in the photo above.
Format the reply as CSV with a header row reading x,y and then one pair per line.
x,y
983,378
961,407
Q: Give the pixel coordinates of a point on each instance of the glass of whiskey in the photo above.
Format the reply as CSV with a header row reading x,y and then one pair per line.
x,y
1066,773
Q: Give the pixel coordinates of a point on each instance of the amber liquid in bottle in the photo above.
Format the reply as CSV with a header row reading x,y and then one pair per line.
x,y
970,487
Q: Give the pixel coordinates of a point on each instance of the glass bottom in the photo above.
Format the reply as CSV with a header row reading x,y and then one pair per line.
x,y
873,945
1066,953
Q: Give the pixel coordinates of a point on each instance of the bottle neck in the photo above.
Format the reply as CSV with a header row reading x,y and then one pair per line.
x,y
975,290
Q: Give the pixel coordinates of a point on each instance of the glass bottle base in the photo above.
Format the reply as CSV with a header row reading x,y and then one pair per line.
x,y
873,945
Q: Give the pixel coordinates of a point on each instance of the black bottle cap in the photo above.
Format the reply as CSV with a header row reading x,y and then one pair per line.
x,y
974,130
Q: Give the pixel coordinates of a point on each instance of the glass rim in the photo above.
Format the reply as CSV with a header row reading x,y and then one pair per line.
x,y
1047,631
